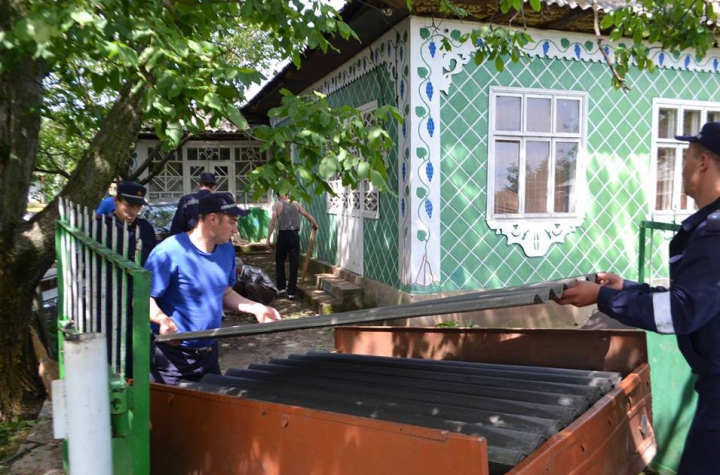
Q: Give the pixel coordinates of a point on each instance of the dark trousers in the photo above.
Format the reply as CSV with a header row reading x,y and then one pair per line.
x,y
288,245
255,292
170,364
702,446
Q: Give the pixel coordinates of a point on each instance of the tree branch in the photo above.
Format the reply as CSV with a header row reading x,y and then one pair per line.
x,y
49,171
145,165
596,23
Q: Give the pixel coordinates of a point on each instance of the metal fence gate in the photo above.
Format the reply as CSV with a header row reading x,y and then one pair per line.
x,y
101,291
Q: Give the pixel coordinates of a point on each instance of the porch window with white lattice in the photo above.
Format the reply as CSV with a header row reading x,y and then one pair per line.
x,y
536,155
363,201
535,142
167,182
671,118
247,158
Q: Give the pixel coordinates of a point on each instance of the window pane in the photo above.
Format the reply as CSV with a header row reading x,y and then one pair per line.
x,y
691,122
507,162
224,154
667,123
713,116
538,114
566,155
665,172
507,113
568,116
192,154
537,163
686,202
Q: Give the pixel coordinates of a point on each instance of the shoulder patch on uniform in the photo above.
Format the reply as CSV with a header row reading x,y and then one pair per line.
x,y
713,221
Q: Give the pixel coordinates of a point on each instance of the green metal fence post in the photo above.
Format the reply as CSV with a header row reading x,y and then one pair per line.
x,y
673,397
80,257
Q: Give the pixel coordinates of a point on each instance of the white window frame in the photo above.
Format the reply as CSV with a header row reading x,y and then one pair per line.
x,y
190,185
351,202
675,213
535,232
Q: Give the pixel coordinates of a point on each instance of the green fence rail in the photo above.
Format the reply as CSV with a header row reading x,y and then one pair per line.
x,y
101,290
674,399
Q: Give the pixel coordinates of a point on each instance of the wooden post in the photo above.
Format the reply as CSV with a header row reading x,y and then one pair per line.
x,y
308,253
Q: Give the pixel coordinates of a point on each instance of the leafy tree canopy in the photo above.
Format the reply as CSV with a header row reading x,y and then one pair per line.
x,y
193,61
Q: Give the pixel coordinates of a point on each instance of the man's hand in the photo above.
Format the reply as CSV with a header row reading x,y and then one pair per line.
x,y
608,279
167,325
267,314
580,294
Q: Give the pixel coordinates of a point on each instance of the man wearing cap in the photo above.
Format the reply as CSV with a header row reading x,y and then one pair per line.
x,y
186,213
129,200
192,279
690,308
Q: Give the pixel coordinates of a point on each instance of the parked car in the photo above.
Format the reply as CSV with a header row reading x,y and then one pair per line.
x,y
160,216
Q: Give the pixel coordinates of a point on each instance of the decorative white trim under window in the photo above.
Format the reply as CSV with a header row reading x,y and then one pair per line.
x,y
363,201
673,117
536,163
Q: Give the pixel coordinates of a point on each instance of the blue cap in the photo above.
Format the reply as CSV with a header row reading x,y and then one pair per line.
x,y
220,203
133,193
207,178
708,137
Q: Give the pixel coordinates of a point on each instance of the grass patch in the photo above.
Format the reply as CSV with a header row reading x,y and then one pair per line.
x,y
12,435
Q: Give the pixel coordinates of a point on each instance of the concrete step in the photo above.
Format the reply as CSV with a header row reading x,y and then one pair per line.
x,y
321,302
341,290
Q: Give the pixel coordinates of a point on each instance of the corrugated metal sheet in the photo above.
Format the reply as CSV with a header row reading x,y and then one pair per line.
x,y
488,299
516,408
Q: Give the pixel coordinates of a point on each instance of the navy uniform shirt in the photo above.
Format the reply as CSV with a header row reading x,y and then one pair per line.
x,y
690,308
139,227
186,214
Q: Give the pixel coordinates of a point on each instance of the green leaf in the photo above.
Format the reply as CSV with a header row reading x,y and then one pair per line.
x,y
499,64
422,72
213,101
421,192
82,17
420,111
421,152
233,113
363,170
421,235
174,134
535,4
424,33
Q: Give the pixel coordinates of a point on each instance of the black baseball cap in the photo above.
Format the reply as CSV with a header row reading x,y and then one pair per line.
x,y
133,193
207,178
220,203
708,137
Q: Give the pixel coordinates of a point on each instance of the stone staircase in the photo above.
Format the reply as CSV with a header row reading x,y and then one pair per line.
x,y
331,294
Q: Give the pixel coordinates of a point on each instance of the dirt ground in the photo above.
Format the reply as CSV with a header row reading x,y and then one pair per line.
x,y
239,352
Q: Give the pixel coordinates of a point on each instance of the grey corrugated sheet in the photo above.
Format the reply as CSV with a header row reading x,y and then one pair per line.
x,y
516,408
482,300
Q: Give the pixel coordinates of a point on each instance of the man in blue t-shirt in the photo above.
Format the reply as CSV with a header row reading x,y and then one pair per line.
x,y
192,278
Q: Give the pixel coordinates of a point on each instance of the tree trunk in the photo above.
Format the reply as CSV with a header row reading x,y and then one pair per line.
x,y
27,249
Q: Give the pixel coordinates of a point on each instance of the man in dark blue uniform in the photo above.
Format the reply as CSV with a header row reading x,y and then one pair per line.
x,y
129,200
186,214
690,308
